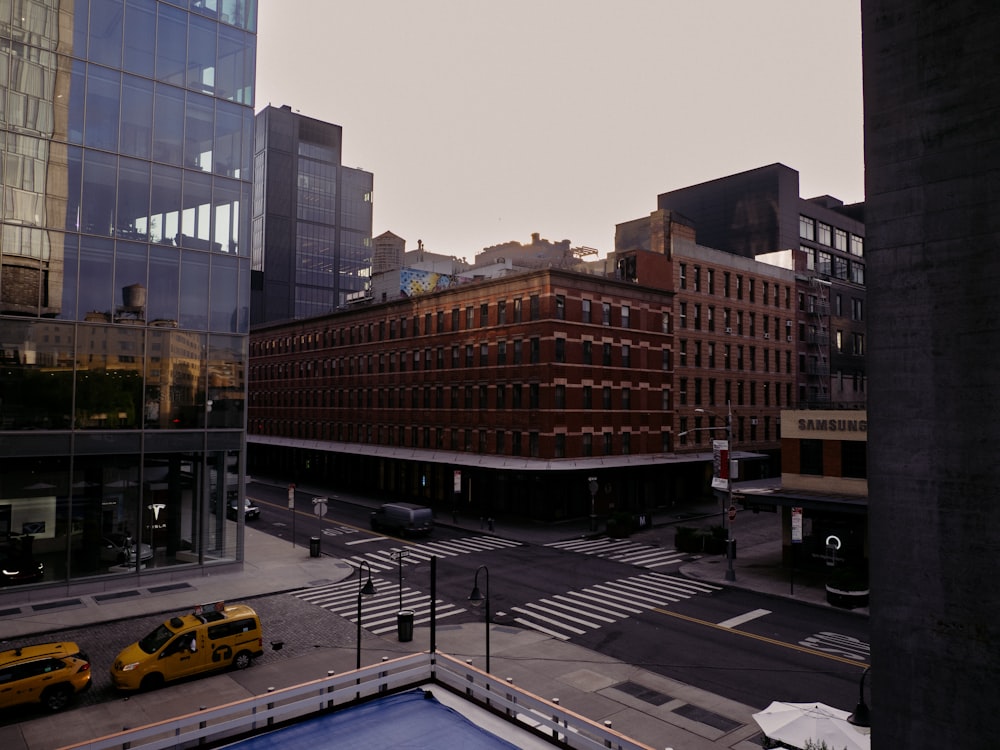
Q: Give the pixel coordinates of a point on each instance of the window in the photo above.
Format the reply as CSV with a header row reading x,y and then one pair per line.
x,y
811,457
807,228
606,354
560,307
626,398
606,397
725,283
517,310
515,443
840,240
588,444
606,313
857,311
696,278
683,275
711,318
607,443
484,354
697,317
484,314
501,313
857,344
682,353
585,311
560,350
468,355
824,263
560,396
455,318
857,273
535,350
533,303
501,396
469,319
517,351
533,396
626,443
440,321
560,445
684,314
626,355
588,397
839,341
517,391
739,287
588,352
501,352
665,322
500,443
711,281
824,233
626,314
840,267
857,245
683,396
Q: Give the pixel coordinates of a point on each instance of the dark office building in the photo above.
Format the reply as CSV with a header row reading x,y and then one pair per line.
x,y
125,165
312,219
932,149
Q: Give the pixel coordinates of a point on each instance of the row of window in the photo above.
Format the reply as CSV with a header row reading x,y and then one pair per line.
x,y
734,285
745,429
468,318
834,266
839,239
462,356
706,391
728,357
505,396
738,322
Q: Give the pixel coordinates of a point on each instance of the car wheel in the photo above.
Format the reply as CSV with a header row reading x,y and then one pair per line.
x,y
152,681
57,697
242,660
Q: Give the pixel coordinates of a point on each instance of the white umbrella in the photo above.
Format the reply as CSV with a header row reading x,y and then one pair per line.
x,y
796,723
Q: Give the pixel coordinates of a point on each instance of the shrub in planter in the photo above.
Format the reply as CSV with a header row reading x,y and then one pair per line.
x,y
620,525
686,539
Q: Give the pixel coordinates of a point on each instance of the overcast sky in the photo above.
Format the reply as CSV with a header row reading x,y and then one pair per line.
x,y
486,121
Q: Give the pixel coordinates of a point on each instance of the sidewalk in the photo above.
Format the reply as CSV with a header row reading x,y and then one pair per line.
x,y
586,682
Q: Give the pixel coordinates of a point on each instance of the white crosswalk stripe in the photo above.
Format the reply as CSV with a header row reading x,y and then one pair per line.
x,y
605,603
623,550
378,613
385,560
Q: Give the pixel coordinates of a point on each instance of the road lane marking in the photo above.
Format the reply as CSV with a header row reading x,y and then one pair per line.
x,y
761,638
732,622
369,539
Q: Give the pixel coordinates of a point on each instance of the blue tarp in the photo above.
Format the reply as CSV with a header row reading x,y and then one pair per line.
x,y
413,720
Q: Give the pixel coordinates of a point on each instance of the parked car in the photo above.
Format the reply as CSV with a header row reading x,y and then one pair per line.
x,y
18,564
250,511
404,519
210,638
47,673
122,549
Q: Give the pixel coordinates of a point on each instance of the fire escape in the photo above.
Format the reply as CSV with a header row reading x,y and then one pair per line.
x,y
818,344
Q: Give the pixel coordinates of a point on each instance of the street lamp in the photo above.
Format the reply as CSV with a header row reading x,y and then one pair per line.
x,y
476,597
862,715
368,589
730,573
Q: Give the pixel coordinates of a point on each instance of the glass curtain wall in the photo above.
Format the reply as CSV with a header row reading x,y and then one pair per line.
x,y
126,132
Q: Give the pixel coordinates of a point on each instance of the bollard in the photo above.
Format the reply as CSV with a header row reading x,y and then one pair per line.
x,y
555,718
126,745
468,678
270,706
201,725
607,742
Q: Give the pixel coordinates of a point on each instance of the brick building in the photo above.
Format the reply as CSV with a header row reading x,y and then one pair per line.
x,y
527,384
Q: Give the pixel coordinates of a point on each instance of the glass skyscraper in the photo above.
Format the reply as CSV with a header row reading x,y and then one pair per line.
x,y
126,139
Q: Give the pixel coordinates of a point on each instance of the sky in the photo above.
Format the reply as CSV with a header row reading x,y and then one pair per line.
x,y
484,122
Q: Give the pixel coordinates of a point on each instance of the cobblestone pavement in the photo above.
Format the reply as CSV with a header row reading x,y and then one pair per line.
x,y
301,627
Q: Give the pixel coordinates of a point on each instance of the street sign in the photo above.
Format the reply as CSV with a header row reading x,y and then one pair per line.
x,y
291,496
796,525
319,506
458,482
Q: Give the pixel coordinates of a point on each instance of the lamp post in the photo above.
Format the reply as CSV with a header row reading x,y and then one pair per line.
x,y
477,597
862,715
368,589
731,509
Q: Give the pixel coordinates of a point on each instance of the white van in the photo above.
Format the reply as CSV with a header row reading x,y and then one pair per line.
x,y
403,519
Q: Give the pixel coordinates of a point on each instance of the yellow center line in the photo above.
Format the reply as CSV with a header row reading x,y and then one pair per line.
x,y
763,638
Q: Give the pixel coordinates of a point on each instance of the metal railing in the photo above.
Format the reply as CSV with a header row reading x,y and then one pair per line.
x,y
259,714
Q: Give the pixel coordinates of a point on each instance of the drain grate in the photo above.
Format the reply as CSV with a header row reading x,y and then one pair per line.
x,y
56,605
168,587
101,598
705,716
643,693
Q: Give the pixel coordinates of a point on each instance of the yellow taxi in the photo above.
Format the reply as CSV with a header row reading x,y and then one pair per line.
x,y
211,637
47,673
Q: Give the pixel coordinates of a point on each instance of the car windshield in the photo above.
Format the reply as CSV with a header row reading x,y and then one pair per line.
x,y
155,640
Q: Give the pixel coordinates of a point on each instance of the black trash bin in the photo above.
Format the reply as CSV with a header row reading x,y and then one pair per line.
x,y
404,625
314,546
732,548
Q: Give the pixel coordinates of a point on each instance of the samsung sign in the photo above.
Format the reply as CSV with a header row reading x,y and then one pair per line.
x,y
824,424
833,425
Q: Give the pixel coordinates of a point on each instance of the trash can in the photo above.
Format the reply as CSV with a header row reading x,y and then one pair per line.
x,y
404,625
314,546
732,548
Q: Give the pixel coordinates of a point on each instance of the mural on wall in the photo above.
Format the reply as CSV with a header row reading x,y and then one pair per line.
x,y
413,281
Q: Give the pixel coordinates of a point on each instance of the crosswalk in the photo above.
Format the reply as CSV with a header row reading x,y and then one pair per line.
x,y
378,612
385,560
623,550
574,613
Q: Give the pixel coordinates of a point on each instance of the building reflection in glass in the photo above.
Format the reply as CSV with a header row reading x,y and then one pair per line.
x,y
125,148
